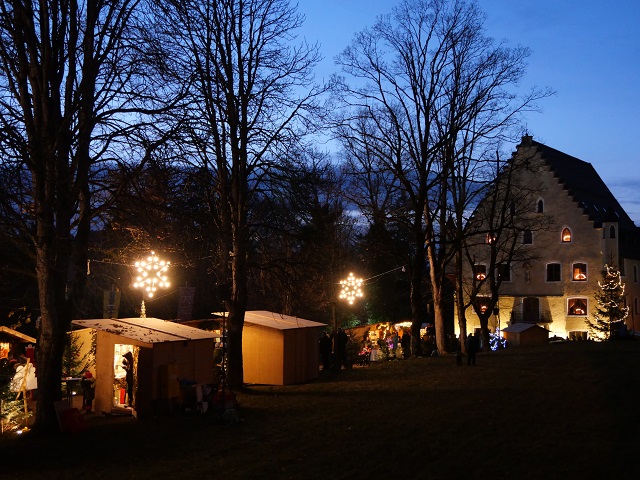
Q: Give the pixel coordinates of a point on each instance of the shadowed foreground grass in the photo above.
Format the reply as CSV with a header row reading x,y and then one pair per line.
x,y
567,410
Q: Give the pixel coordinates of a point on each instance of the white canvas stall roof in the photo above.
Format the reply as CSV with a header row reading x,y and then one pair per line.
x,y
278,321
146,330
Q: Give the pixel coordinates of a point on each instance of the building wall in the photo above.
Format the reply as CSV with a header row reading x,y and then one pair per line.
x,y
630,275
589,245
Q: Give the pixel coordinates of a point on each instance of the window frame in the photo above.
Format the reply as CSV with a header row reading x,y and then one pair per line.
x,y
562,235
585,273
527,235
559,266
503,267
574,299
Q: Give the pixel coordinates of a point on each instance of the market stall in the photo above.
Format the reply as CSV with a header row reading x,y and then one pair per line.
x,y
280,349
162,354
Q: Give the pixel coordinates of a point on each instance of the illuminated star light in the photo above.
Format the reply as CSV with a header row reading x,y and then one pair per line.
x,y
151,274
351,289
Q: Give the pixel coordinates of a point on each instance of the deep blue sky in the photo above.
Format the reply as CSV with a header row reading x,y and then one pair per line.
x,y
587,51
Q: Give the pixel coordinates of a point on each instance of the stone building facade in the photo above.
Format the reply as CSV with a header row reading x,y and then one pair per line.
x,y
585,229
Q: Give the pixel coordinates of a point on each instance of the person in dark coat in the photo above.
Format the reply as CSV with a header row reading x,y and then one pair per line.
x,y
405,342
472,347
88,384
325,351
127,364
340,348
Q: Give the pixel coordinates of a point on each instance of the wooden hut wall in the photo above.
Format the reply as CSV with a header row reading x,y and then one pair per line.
x,y
301,355
534,336
263,355
531,337
193,360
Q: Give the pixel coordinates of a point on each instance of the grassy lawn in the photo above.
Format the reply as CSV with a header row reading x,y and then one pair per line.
x,y
568,410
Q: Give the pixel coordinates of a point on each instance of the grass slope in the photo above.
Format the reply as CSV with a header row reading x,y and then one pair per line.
x,y
558,411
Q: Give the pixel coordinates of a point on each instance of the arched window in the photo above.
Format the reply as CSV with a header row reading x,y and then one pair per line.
x,y
566,235
540,206
612,232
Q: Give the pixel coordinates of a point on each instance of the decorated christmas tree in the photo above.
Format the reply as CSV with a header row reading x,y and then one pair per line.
x,y
609,312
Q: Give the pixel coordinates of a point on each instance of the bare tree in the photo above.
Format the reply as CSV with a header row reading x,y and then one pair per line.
x,y
69,93
493,238
431,85
250,100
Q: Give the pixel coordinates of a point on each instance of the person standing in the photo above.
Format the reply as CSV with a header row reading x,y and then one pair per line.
x,y
325,351
394,342
405,342
340,348
88,385
127,364
472,347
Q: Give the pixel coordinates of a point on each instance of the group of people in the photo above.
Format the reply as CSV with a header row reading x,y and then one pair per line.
x,y
333,350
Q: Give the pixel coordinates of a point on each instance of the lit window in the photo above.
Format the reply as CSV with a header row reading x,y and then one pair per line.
x,y
480,272
491,238
566,235
553,272
540,206
580,272
577,306
481,304
527,237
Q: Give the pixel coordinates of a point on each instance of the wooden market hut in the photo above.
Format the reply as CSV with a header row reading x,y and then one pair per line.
x,y
166,353
10,338
279,349
525,335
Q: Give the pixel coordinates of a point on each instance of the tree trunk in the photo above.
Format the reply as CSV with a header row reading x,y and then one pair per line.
x,y
237,308
436,289
417,307
460,303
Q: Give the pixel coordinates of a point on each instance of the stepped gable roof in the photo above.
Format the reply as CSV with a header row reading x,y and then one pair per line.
x,y
585,186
